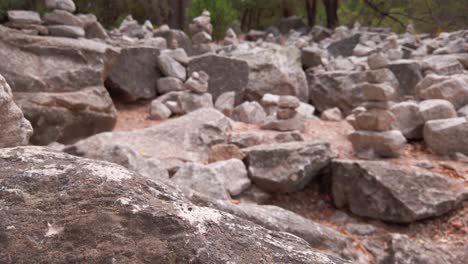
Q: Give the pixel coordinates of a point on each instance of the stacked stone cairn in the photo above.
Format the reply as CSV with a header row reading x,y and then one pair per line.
x,y
61,21
287,117
201,30
375,136
230,38
27,21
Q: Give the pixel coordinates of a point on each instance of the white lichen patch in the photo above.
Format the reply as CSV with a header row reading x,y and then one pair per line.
x,y
53,230
137,208
48,170
199,216
111,173
124,201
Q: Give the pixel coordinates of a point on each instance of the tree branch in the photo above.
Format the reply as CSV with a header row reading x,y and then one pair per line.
x,y
383,13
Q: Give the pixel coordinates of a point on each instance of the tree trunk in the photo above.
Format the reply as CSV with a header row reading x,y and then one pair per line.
x,y
311,8
178,13
331,8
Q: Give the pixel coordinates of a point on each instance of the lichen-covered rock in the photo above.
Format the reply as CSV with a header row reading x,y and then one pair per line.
x,y
110,214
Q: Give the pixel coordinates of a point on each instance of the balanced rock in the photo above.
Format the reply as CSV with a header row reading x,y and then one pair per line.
x,y
67,5
198,82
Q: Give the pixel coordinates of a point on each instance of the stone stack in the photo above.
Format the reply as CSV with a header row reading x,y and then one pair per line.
x,y
201,30
27,21
374,136
61,21
287,117
231,38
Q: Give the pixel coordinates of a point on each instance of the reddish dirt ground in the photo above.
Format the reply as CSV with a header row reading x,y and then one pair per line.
x,y
315,202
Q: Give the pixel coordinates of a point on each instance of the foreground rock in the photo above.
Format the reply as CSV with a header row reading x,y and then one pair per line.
x,y
288,167
185,139
16,130
394,194
81,202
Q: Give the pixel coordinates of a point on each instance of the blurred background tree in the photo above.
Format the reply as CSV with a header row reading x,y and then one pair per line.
x,y
427,15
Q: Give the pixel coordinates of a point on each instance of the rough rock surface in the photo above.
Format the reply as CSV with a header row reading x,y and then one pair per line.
x,y
185,139
226,74
249,112
394,194
408,73
447,136
408,119
451,88
16,130
273,69
109,214
371,144
287,167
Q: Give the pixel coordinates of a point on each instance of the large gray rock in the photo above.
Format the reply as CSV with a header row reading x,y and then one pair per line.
x,y
134,74
185,139
68,116
371,144
23,17
436,109
447,136
273,69
279,219
148,220
391,193
16,130
67,5
171,68
408,73
344,47
287,167
451,88
408,119
311,57
249,112
226,74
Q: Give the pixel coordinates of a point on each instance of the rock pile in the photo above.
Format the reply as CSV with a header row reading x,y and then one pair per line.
x,y
201,30
374,136
61,21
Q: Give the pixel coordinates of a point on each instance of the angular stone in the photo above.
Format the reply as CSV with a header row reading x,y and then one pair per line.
x,y
226,103
233,175
177,54
16,130
249,112
332,114
190,102
447,136
226,74
245,139
436,109
287,167
169,84
270,100
24,17
201,37
222,152
393,193
344,47
95,30
66,31
311,57
408,73
61,17
134,73
408,119
67,5
375,120
383,76
378,92
370,144
159,111
451,88
377,61
114,197
171,68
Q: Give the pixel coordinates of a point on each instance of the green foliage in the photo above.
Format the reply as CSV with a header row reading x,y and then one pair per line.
x,y
223,15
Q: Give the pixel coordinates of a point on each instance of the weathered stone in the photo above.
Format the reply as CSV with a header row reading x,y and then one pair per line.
x,y
95,30
370,144
226,74
134,73
375,120
23,17
198,82
222,152
245,139
389,191
451,88
67,5
408,119
61,17
159,111
226,103
249,112
171,68
66,31
233,174
177,54
306,110
190,102
273,69
332,114
185,139
285,113
436,109
16,130
311,57
408,73
447,136
66,117
377,61
288,101
344,47
378,92
287,167
383,76
169,84
115,197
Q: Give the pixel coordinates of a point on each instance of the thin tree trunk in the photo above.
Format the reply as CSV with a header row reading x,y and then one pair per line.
x,y
311,7
331,8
